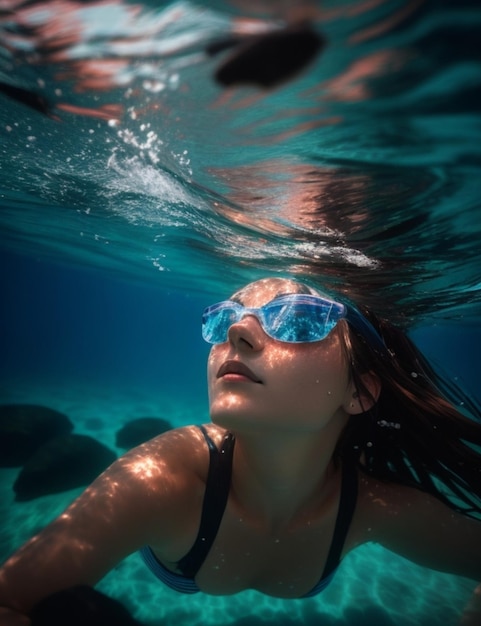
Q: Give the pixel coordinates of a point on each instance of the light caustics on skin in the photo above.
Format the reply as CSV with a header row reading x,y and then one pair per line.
x,y
282,372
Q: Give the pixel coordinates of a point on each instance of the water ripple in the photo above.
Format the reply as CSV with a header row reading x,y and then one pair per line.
x,y
362,172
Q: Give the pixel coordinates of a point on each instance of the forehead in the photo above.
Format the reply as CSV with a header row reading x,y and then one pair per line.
x,y
262,291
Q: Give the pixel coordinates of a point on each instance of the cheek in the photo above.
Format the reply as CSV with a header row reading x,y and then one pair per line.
x,y
320,375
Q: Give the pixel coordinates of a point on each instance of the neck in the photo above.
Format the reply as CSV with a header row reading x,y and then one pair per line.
x,y
279,476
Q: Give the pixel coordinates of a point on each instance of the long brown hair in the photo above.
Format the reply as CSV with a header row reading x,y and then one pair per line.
x,y
414,434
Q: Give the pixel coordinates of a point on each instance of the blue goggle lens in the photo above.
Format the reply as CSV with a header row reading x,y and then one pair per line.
x,y
297,318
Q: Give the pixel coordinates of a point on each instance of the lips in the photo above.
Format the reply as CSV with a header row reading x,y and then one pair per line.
x,y
237,368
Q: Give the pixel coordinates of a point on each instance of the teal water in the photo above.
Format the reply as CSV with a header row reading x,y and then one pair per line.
x,y
144,191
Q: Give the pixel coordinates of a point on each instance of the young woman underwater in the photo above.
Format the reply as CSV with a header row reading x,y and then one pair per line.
x,y
329,430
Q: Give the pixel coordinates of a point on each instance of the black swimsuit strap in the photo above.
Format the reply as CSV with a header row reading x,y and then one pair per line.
x,y
215,499
347,505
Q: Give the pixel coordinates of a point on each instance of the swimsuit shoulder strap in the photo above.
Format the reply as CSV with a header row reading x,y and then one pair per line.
x,y
347,505
215,499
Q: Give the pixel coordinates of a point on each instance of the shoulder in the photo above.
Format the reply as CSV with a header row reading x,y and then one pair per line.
x,y
180,450
172,464
153,492
414,524
163,482
385,506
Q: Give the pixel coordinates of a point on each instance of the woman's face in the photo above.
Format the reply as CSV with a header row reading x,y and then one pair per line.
x,y
292,386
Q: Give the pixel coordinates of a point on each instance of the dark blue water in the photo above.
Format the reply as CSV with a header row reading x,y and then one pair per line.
x,y
135,190
70,323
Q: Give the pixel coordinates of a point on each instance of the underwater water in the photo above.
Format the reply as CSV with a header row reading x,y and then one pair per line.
x,y
135,189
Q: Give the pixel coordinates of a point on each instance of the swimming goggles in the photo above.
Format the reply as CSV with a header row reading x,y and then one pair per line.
x,y
293,318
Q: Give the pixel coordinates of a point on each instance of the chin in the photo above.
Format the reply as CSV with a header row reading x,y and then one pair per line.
x,y
227,419
237,422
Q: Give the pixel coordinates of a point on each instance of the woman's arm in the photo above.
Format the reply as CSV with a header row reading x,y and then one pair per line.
x,y
143,498
421,528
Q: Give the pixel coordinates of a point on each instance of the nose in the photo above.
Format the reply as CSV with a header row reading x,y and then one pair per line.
x,y
247,332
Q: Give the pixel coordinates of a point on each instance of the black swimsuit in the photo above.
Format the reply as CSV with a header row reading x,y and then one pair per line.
x,y
215,499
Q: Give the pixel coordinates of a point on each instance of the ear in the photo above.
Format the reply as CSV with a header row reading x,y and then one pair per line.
x,y
359,401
